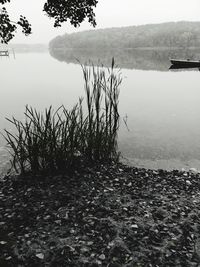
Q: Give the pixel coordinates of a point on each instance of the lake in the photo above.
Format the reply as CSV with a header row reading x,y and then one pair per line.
x,y
162,106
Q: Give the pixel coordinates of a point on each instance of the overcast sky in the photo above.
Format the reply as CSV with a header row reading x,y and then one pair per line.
x,y
109,13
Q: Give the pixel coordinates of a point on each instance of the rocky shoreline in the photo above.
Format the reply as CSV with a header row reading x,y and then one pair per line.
x,y
107,215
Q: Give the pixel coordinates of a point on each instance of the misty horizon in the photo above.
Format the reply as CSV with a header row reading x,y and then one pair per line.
x,y
97,29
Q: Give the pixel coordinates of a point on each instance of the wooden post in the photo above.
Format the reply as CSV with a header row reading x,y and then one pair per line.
x,y
4,53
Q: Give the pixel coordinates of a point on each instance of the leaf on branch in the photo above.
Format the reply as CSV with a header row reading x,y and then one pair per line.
x,y
74,11
26,27
7,28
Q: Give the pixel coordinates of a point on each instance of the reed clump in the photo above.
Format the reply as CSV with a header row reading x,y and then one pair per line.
x,y
63,140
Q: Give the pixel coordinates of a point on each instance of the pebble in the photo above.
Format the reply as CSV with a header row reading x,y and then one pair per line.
x,y
40,256
66,216
3,242
193,170
135,226
102,257
188,182
47,217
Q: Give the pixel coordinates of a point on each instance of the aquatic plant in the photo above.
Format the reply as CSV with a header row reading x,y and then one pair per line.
x,y
62,140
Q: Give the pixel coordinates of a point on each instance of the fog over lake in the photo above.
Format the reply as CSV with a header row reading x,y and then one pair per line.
x,y
162,105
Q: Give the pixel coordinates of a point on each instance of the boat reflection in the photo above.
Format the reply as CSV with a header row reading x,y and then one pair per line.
x,y
184,68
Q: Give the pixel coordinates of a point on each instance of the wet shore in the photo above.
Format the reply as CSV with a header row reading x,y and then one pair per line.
x,y
105,215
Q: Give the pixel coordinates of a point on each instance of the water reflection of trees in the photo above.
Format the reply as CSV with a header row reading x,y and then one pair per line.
x,y
143,59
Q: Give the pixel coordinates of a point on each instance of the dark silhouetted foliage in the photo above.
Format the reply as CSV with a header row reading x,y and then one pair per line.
x,y
74,11
60,10
64,140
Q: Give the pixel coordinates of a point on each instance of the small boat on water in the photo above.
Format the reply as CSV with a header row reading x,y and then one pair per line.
x,y
185,63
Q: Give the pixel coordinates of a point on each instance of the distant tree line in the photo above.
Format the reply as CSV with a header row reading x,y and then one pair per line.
x,y
172,34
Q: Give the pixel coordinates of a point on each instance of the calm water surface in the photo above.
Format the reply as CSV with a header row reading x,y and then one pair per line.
x,y
163,107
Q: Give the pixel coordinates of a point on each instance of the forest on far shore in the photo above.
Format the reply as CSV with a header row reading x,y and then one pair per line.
x,y
172,34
